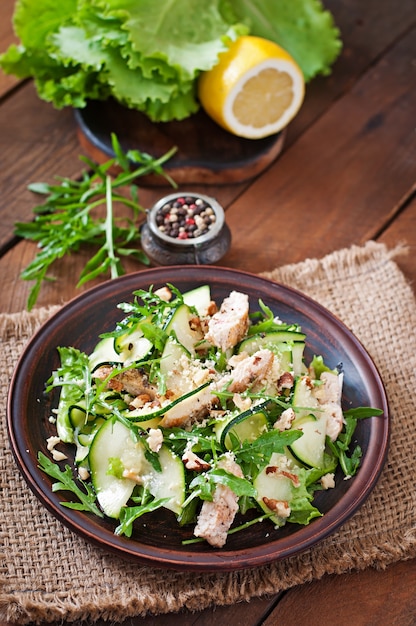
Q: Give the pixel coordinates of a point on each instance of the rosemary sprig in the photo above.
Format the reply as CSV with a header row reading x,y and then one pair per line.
x,y
67,219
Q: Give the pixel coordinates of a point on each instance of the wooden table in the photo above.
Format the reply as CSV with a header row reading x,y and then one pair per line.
x,y
347,174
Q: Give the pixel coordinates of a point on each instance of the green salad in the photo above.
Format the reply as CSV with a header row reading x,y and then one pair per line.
x,y
148,54
206,409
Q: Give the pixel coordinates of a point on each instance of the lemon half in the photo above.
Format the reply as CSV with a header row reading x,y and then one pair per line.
x,y
255,89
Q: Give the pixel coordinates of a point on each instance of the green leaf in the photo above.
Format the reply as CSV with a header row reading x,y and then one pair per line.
x,y
129,50
42,188
206,483
319,366
350,461
121,158
363,412
258,452
66,220
129,514
66,482
302,27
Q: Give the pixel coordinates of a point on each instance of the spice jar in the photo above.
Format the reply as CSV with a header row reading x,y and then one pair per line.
x,y
185,228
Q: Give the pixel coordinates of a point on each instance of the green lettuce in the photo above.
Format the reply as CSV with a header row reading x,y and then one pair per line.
x,y
301,27
148,54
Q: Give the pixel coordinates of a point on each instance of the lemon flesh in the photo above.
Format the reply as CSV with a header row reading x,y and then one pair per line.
x,y
255,90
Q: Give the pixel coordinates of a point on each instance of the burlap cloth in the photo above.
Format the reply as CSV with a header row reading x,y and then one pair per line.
x,y
48,573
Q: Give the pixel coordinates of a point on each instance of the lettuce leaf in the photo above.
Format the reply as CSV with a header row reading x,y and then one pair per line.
x,y
302,27
148,54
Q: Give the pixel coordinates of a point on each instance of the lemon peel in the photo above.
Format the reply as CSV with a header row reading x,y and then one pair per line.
x,y
255,89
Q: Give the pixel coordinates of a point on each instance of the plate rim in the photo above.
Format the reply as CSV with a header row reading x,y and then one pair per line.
x,y
223,559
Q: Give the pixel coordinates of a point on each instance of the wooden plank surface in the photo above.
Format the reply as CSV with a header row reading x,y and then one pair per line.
x,y
329,601
356,176
7,37
299,200
42,144
338,182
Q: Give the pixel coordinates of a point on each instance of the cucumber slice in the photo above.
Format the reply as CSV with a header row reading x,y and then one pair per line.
x,y
78,413
170,482
178,326
247,426
103,353
286,344
297,358
273,485
268,340
175,358
146,424
78,416
199,298
113,440
303,402
172,353
142,415
310,448
84,438
132,346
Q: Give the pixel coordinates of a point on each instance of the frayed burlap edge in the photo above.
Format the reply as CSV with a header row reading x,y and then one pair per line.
x,y
204,591
25,323
340,265
199,591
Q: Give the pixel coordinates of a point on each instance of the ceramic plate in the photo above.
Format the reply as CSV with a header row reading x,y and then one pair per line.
x,y
157,540
206,153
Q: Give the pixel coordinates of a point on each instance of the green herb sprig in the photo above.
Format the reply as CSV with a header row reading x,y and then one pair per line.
x,y
66,482
68,218
341,447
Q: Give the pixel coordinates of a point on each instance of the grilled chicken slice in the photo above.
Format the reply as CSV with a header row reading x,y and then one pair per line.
x,y
229,325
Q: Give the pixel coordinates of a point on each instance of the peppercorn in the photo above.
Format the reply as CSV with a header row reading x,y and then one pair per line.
x,y
186,217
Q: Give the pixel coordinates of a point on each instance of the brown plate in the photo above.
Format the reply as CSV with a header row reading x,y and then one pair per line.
x,y
157,540
205,154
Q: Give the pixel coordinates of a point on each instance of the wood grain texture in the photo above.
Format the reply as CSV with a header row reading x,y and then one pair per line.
x,y
327,198
368,598
348,191
206,154
402,230
347,173
7,37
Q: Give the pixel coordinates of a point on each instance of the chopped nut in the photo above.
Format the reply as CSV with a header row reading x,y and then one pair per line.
x,y
285,381
280,507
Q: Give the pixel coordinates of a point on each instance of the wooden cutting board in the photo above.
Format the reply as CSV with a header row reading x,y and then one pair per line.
x,y
206,154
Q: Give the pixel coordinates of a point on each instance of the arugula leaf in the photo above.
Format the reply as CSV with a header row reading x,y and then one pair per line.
x,y
362,412
350,463
129,514
256,454
267,322
207,482
66,482
67,219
